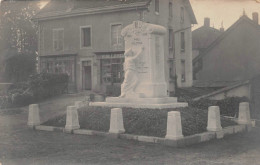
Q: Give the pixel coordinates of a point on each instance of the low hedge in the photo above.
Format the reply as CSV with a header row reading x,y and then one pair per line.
x,y
141,121
228,106
46,85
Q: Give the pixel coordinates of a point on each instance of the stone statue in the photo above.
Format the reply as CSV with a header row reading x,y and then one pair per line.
x,y
131,77
144,85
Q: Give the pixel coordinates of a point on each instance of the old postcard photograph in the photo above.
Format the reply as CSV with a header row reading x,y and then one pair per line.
x,y
160,82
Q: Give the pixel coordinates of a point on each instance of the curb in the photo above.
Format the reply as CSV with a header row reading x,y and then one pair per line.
x,y
49,128
185,141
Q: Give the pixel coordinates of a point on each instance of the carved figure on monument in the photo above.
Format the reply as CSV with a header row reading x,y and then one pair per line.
x,y
131,78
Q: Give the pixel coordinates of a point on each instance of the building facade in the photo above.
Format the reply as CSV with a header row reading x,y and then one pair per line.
x,y
203,37
83,39
233,57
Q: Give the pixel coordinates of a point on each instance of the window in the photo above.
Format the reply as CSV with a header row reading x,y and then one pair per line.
x,y
182,42
182,15
58,39
112,70
116,38
85,37
171,39
156,6
171,70
170,9
183,71
59,65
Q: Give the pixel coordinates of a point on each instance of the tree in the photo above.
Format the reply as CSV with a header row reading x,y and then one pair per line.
x,y
16,28
18,37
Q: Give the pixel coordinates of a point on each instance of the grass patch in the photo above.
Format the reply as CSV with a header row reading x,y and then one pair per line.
x,y
141,121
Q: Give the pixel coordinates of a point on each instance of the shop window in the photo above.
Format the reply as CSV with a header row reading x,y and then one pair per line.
x,y
112,70
59,65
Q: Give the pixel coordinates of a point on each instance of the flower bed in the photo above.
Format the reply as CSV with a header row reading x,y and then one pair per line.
x,y
141,121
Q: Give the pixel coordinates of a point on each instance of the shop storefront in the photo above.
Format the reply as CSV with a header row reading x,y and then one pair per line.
x,y
111,68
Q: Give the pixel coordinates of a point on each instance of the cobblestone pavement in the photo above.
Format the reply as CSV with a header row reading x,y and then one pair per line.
x,y
20,145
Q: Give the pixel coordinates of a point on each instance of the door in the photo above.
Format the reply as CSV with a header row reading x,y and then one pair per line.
x,y
87,78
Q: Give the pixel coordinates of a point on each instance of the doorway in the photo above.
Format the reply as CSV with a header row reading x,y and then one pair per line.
x,y
87,81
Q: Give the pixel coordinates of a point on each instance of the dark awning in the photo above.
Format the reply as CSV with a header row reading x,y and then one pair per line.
x,y
109,55
58,55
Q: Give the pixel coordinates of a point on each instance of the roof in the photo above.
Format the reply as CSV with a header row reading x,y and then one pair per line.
x,y
57,8
189,9
194,92
204,36
212,84
233,57
225,34
228,88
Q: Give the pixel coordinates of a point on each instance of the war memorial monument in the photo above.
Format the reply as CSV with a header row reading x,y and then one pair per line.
x,y
144,84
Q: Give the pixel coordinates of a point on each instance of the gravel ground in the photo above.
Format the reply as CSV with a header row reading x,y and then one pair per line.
x,y
20,145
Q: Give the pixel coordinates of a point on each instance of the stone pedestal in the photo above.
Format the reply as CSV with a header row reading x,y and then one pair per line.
x,y
72,121
244,113
116,121
174,127
214,123
33,116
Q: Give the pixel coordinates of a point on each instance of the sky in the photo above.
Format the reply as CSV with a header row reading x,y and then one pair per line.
x,y
226,11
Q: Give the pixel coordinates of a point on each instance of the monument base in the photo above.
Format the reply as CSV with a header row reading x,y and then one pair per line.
x,y
151,103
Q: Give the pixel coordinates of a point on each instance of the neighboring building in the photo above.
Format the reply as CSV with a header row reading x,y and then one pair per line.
x,y
203,37
249,89
233,57
82,38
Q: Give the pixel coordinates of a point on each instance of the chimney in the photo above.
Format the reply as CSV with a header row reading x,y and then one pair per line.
x,y
207,22
222,27
255,17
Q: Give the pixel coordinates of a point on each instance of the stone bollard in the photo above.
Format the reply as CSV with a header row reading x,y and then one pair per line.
x,y
244,113
116,121
72,121
79,104
174,127
214,123
33,116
